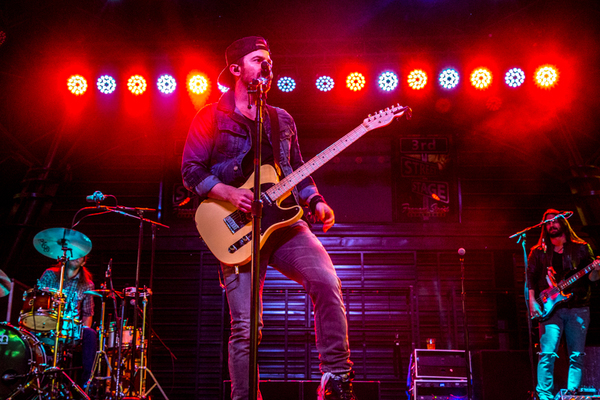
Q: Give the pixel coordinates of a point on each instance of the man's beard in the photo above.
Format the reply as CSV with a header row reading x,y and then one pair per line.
x,y
556,233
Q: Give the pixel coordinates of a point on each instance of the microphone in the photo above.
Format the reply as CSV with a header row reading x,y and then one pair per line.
x,y
266,73
564,214
461,253
97,197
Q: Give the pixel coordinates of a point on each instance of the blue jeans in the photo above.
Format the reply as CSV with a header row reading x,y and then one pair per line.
x,y
297,253
574,323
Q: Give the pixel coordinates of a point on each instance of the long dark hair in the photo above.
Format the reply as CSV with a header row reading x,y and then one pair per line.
x,y
570,235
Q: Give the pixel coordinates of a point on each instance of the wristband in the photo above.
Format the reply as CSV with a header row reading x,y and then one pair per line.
x,y
316,199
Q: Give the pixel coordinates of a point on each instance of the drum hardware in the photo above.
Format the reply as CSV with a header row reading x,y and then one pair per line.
x,y
62,244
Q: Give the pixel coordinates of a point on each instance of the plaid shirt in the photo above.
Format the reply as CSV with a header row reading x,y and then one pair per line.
x,y
77,304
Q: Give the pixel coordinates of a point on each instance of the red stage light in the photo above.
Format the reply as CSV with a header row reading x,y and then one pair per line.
x,y
417,79
198,84
355,81
77,85
481,78
546,76
137,84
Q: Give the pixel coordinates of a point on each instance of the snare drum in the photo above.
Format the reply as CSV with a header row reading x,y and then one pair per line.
x,y
39,310
112,337
21,356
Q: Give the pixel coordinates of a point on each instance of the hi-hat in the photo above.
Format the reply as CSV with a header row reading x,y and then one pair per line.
x,y
53,242
103,292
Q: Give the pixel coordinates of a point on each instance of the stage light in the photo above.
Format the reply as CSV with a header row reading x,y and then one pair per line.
x,y
286,84
325,83
223,89
514,77
546,76
355,81
106,84
198,84
449,78
137,84
77,85
417,79
388,81
166,84
481,78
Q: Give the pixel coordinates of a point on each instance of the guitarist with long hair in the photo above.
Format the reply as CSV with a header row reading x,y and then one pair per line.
x,y
217,160
558,254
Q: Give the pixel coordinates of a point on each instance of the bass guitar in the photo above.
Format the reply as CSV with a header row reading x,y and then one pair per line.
x,y
227,231
551,297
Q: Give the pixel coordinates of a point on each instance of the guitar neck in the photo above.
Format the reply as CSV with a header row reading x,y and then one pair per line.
x,y
288,183
565,283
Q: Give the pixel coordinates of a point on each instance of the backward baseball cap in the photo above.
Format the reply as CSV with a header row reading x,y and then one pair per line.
x,y
237,50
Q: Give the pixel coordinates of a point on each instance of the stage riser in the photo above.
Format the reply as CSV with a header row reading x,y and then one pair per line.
x,y
305,390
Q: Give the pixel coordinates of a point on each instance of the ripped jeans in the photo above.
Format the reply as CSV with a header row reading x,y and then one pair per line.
x,y
297,253
574,323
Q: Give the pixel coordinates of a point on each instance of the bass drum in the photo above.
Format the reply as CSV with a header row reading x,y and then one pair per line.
x,y
21,356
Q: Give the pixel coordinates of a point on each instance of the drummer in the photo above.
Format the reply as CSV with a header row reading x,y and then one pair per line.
x,y
78,306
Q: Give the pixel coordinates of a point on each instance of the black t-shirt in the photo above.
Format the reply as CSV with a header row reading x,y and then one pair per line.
x,y
266,150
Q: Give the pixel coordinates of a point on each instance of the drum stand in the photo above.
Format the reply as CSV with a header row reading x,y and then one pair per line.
x,y
54,370
100,356
143,369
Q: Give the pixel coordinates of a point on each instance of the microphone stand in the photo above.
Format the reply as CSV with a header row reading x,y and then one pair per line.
x,y
140,216
256,88
521,238
465,323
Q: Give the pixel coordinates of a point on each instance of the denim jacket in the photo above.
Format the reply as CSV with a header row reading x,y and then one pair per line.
x,y
218,140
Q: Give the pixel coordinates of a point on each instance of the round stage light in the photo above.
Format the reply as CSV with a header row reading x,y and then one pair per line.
x,y
198,84
137,84
355,81
514,77
325,83
77,85
166,84
388,81
417,79
481,78
286,84
223,89
449,78
546,76
106,84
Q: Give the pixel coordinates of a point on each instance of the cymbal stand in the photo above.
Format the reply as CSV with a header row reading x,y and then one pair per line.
x,y
100,354
143,369
54,369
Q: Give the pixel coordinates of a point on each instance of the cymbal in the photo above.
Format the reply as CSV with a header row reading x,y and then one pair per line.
x,y
103,292
4,284
50,243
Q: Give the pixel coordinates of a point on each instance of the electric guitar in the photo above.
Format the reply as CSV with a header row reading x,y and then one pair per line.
x,y
551,297
227,231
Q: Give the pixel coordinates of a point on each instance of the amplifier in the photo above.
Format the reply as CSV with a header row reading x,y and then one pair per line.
x,y
584,393
437,389
439,364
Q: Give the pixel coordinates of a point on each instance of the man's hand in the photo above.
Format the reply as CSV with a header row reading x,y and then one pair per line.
x,y
324,213
240,198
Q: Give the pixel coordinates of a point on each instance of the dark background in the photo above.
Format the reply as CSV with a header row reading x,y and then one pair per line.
x,y
512,154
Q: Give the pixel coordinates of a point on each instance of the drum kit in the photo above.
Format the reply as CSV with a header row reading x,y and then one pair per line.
x,y
35,355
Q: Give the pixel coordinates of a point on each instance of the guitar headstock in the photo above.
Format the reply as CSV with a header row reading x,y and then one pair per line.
x,y
385,117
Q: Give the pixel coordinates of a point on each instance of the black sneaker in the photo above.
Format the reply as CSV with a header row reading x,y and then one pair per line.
x,y
337,387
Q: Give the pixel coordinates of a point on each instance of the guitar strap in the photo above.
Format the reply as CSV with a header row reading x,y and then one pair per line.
x,y
275,136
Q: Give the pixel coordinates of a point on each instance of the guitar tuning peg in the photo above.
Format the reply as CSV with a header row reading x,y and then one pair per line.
x,y
369,116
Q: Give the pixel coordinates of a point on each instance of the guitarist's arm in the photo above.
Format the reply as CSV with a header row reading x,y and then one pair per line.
x,y
534,308
595,274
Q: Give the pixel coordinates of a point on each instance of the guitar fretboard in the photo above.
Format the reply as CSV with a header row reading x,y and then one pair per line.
x,y
288,183
565,283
